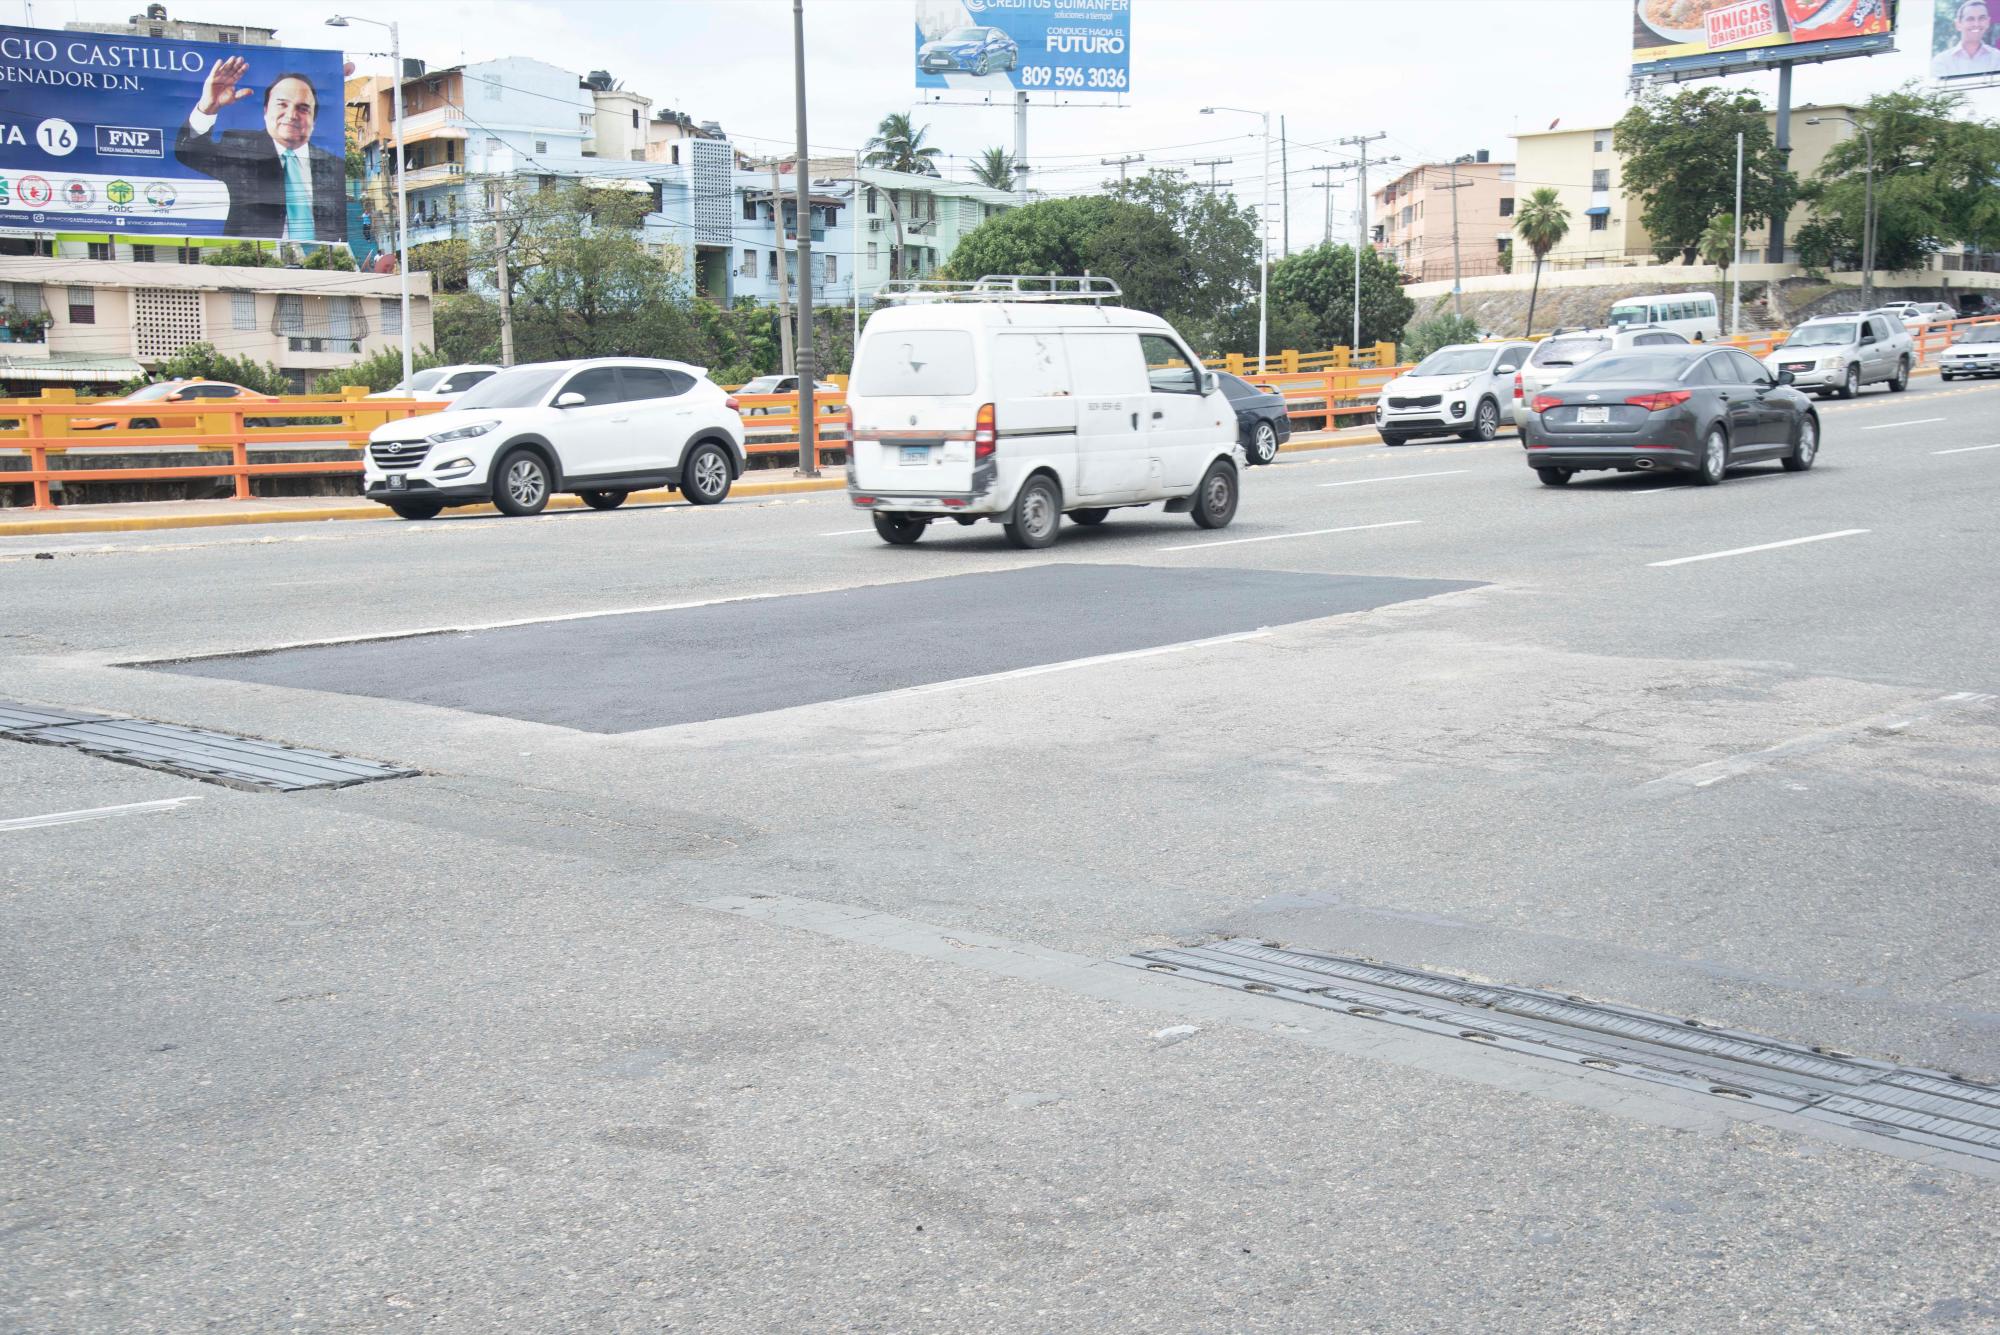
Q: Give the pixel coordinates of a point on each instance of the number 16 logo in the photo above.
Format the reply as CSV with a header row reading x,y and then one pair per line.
x,y
57,137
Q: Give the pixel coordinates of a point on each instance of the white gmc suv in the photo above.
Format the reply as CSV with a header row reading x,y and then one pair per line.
x,y
601,429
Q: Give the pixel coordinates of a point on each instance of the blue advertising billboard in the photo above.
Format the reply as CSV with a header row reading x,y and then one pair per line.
x,y
109,133
984,46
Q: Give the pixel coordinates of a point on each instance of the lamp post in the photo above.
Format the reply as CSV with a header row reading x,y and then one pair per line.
x,y
1867,208
402,196
1263,239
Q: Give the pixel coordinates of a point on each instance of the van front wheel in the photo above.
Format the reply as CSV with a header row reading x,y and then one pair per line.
x,y
902,530
1215,500
1036,515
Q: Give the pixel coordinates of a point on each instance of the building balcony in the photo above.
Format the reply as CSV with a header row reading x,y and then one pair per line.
x,y
437,123
438,173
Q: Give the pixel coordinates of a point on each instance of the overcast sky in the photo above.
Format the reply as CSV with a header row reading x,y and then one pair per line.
x,y
1439,77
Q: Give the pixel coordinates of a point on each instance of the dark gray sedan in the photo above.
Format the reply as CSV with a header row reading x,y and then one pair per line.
x,y
1690,410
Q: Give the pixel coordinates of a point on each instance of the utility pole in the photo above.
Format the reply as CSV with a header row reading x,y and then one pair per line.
x,y
1285,176
1121,164
1360,144
1457,307
1212,164
506,243
1021,145
808,424
784,290
1736,250
1327,183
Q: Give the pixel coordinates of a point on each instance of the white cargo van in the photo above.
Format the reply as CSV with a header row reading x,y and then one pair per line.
x,y
1024,399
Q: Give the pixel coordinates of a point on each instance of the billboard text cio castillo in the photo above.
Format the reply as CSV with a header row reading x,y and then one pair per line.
x,y
154,137
1028,44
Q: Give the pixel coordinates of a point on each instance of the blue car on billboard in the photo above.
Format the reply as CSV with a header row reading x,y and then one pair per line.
x,y
969,51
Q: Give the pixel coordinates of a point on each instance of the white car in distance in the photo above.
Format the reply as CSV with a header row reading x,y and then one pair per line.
x,y
439,383
600,429
1463,390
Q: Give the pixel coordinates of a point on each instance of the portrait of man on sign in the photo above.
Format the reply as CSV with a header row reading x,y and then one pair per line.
x,y
280,185
1964,41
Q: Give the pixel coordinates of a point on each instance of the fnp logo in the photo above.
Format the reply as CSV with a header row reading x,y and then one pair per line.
x,y
131,141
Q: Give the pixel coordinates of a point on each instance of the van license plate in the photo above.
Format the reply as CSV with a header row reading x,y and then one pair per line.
x,y
916,454
1592,416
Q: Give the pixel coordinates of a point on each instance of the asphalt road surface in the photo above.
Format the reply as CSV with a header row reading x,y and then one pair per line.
x,y
746,956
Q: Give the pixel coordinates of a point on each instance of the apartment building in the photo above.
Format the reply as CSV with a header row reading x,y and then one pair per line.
x,y
102,322
1604,226
1415,222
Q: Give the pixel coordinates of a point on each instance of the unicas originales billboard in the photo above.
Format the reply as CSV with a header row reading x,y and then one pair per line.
x,y
111,133
1690,35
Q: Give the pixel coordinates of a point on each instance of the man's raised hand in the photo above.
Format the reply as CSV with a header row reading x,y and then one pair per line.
x,y
220,90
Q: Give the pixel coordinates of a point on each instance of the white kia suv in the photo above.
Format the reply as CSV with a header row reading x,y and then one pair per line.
x,y
1458,390
601,429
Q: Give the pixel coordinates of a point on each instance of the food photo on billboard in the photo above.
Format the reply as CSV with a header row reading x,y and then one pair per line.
x,y
160,137
1962,39
1676,29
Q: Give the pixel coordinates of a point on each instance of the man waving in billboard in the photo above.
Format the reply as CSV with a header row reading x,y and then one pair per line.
x,y
280,186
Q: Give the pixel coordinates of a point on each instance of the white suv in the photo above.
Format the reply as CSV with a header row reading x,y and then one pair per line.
x,y
1459,390
601,429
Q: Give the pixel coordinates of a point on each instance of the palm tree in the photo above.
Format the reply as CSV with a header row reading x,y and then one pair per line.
x,y
899,146
995,168
1542,223
1718,242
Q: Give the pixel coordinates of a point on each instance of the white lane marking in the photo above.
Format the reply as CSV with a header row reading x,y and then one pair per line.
x,y
94,813
1715,771
1393,477
1760,547
846,532
1040,669
1671,489
1967,449
1273,537
1884,426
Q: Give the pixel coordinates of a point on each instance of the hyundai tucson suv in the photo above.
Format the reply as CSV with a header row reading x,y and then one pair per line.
x,y
600,429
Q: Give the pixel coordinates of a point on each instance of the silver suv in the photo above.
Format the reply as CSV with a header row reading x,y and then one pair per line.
x,y
1566,349
1838,354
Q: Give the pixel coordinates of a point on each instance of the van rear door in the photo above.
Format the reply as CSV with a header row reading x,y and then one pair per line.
x,y
915,399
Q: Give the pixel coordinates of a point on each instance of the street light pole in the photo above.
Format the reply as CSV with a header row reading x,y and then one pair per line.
x,y
1867,206
402,194
1264,241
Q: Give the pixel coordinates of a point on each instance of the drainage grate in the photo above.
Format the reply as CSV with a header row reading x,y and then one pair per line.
x,y
1929,1108
218,757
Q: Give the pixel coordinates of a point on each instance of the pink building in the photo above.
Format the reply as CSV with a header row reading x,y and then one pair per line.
x,y
1413,220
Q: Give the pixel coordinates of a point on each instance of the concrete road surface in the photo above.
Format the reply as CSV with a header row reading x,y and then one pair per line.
x,y
747,954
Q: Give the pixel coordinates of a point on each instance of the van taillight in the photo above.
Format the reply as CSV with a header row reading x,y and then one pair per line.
x,y
985,434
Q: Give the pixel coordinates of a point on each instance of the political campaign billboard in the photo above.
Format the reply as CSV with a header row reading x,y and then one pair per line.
x,y
1033,45
1688,37
1962,35
109,133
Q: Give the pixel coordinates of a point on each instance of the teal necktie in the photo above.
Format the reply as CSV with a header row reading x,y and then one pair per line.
x,y
298,199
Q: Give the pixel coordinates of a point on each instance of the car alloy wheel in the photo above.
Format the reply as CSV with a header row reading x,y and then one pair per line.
x,y
524,484
1714,458
1263,444
1850,388
706,477
1806,450
1902,380
1487,425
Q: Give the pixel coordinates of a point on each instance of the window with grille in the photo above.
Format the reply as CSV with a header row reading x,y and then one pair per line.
x,y
1600,142
392,316
142,254
100,250
541,146
291,314
874,256
167,321
83,305
749,269
1506,208
1600,179
243,310
1599,223
833,268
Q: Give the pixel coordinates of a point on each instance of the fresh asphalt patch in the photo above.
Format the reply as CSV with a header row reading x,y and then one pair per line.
x,y
625,673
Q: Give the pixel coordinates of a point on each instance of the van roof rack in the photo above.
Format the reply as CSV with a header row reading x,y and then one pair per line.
x,y
1093,288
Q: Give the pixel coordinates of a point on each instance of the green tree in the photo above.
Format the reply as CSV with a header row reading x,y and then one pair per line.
x,y
447,262
1679,154
201,361
241,255
329,257
467,328
1314,289
1542,222
899,146
1217,309
1424,337
995,169
1129,243
378,370
1718,242
1935,168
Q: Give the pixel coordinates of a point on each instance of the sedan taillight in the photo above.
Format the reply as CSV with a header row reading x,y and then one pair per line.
x,y
1543,402
1658,403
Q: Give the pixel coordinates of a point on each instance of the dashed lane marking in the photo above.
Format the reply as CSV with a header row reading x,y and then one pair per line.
x,y
1274,537
1760,547
93,813
1967,449
1393,477
1885,426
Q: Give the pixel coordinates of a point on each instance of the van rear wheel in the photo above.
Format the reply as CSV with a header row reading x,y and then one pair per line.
x,y
902,530
1036,515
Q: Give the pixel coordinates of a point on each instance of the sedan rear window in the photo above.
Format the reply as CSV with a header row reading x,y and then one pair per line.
x,y
1625,368
916,363
1567,351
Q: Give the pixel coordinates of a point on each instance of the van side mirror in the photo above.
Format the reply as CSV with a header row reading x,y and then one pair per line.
x,y
1209,383
569,399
